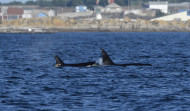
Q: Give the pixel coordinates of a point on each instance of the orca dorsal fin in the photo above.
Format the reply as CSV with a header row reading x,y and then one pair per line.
x,y
59,62
106,59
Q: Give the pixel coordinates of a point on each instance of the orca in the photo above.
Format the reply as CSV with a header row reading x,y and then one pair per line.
x,y
107,61
60,63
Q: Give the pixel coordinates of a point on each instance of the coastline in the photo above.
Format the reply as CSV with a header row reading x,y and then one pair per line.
x,y
56,30
53,25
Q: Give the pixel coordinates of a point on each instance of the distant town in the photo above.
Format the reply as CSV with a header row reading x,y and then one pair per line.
x,y
150,11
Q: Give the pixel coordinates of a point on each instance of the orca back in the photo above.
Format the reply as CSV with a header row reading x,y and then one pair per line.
x,y
60,63
134,64
85,64
107,61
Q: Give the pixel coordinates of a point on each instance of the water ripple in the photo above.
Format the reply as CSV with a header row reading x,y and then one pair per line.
x,y
29,82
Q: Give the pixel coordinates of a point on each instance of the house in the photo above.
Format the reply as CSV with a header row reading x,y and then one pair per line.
x,y
51,13
14,13
11,13
113,8
73,12
3,12
27,14
178,7
80,8
98,9
161,5
111,1
182,16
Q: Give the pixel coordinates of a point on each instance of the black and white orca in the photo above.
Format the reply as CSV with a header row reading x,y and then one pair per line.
x,y
107,61
60,63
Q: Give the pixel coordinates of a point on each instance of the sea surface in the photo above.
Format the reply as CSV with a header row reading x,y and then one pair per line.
x,y
30,82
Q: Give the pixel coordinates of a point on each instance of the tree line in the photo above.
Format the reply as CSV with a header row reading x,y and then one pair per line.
x,y
88,3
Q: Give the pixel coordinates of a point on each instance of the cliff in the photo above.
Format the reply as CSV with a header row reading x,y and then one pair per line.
x,y
60,25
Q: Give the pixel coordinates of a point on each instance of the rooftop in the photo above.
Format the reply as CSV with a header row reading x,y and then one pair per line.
x,y
15,10
158,3
113,5
184,4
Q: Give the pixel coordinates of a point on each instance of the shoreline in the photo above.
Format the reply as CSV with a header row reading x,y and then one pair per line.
x,y
56,30
53,25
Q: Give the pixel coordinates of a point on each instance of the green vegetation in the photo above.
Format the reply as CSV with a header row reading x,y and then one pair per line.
x,y
30,3
89,3
12,3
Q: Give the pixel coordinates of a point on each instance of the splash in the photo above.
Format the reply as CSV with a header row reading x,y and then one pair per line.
x,y
100,61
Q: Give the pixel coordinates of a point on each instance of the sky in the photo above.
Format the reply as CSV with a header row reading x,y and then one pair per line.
x,y
6,1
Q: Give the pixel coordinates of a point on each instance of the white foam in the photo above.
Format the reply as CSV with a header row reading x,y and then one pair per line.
x,y
100,62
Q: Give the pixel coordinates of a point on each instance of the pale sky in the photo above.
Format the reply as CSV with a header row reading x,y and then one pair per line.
x,y
6,1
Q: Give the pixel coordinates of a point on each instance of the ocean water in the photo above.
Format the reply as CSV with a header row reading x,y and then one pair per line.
x,y
30,82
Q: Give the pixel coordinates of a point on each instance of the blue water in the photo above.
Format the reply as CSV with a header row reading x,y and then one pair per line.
x,y
30,82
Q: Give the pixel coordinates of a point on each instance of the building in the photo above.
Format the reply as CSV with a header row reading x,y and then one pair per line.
x,y
80,8
111,1
98,9
182,16
51,13
161,5
3,13
14,13
27,14
11,13
178,7
113,8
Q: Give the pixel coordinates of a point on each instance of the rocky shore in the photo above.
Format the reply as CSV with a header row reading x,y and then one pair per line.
x,y
51,25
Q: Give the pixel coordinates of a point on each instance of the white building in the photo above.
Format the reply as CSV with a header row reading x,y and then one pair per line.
x,y
51,13
182,16
113,8
3,12
160,5
27,14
